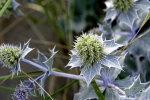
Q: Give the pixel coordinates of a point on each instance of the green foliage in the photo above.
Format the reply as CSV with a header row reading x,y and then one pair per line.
x,y
97,91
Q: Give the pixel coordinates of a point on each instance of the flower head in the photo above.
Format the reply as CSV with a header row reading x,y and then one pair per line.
x,y
122,5
21,93
9,55
92,53
89,48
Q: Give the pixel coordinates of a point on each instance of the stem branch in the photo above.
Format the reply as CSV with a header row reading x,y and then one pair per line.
x,y
72,76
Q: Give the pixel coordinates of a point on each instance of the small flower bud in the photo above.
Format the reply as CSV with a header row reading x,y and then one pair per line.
x,y
9,55
21,93
89,48
122,5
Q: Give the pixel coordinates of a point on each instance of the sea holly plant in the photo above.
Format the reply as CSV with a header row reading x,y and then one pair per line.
x,y
92,53
126,11
10,56
96,58
101,59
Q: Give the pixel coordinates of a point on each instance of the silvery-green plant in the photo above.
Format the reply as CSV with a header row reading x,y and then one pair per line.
x,y
102,63
10,56
92,53
126,11
101,60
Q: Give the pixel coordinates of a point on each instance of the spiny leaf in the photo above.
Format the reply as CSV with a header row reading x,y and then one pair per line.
x,y
111,61
42,82
111,94
129,17
89,72
49,62
40,59
136,87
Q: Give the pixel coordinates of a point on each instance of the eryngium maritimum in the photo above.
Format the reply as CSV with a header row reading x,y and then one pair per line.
x,y
91,53
126,11
9,55
89,48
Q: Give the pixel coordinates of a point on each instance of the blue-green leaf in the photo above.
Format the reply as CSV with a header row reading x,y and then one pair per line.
x,y
26,49
49,62
111,61
111,94
110,46
89,72
135,88
42,81
40,59
129,17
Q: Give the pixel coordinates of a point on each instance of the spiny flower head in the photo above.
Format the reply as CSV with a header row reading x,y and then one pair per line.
x,y
89,48
122,5
9,55
92,53
21,93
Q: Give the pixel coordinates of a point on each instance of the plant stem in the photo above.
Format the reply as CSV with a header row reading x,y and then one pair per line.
x,y
97,91
72,76
35,65
36,80
5,7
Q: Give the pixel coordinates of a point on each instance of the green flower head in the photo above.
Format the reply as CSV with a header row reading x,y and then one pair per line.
x,y
122,5
9,55
91,52
89,48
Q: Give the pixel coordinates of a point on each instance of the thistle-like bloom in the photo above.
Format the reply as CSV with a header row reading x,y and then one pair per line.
x,y
12,8
126,11
10,56
21,93
89,48
91,53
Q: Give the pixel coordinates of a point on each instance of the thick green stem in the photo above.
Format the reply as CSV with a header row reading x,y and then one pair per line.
x,y
5,7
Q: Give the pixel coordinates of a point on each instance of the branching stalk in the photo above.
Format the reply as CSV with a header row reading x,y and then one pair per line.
x,y
72,76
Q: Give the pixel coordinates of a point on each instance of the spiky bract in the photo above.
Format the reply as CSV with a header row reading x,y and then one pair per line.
x,y
9,55
89,48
